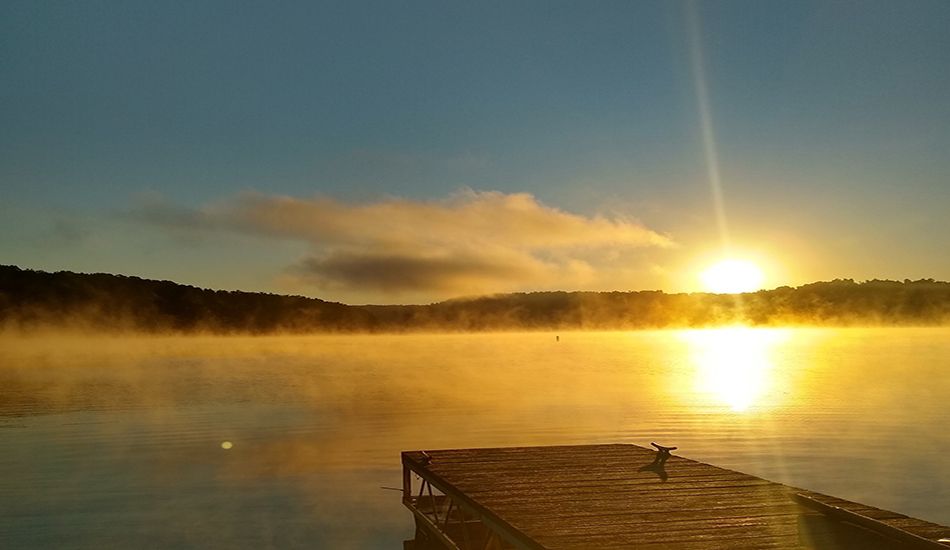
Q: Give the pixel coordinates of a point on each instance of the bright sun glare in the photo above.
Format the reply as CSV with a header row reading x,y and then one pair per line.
x,y
732,276
734,364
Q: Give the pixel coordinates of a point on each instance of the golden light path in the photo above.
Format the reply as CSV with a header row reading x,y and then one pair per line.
x,y
734,364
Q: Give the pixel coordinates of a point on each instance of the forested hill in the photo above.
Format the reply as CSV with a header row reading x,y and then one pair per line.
x,y
36,299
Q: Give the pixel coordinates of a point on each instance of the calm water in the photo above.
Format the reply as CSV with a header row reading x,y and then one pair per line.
x,y
118,443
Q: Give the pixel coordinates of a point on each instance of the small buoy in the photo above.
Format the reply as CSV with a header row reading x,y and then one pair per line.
x,y
226,445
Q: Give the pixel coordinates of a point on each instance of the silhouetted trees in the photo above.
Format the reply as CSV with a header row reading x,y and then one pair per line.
x,y
31,299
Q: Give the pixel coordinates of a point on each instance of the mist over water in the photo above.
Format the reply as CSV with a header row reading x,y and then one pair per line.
x,y
121,442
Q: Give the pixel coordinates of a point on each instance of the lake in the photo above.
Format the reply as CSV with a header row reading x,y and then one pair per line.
x,y
275,442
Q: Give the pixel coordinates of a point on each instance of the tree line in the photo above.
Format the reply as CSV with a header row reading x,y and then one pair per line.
x,y
32,299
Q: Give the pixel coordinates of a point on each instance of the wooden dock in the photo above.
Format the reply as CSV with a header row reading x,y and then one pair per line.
x,y
625,496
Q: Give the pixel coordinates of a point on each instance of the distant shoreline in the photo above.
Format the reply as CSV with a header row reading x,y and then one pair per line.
x,y
32,301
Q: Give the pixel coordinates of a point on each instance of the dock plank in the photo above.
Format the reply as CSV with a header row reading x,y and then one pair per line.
x,y
600,496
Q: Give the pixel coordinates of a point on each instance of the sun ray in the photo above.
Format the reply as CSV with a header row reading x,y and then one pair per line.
x,y
707,128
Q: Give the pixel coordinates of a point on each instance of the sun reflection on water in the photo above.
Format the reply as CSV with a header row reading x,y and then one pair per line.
x,y
734,365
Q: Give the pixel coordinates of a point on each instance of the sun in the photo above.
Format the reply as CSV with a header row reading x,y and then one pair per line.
x,y
732,276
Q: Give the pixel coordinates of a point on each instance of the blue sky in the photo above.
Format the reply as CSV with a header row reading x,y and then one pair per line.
x,y
136,135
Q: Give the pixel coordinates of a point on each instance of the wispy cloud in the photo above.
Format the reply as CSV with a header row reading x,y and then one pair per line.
x,y
471,243
66,233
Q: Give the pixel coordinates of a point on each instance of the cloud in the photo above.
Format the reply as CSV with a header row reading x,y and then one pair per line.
x,y
490,217
471,243
66,233
416,273
155,210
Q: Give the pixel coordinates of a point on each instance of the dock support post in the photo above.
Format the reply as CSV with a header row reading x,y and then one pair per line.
x,y
406,483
